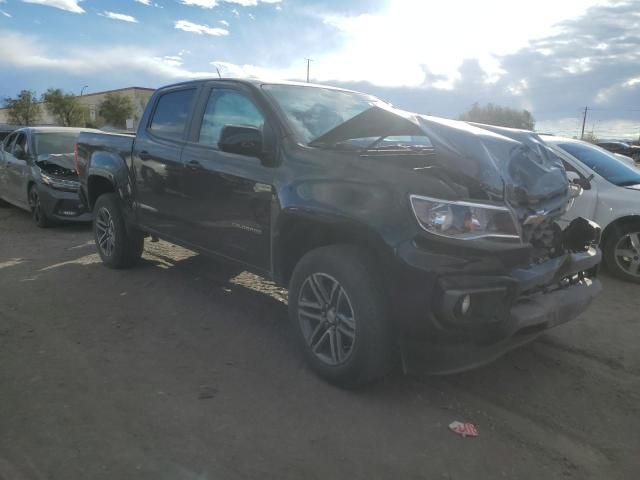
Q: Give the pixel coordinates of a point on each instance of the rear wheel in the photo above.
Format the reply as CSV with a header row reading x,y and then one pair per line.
x,y
37,212
622,252
118,246
338,309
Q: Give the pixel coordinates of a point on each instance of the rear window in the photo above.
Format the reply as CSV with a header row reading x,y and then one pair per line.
x,y
171,114
55,143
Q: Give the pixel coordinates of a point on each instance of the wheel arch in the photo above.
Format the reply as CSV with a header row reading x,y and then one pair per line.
x,y
614,227
298,233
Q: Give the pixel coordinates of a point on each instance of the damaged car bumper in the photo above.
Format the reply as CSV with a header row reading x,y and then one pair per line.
x,y
473,318
63,205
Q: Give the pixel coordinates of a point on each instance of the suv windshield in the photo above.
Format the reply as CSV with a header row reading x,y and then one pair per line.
x,y
55,142
313,111
603,163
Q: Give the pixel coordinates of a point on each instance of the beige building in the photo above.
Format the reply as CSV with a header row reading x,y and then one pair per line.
x,y
139,96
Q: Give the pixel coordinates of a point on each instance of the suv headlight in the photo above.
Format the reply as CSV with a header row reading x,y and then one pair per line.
x,y
464,220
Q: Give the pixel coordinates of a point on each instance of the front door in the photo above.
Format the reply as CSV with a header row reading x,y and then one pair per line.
x,y
157,164
584,205
7,146
230,195
17,172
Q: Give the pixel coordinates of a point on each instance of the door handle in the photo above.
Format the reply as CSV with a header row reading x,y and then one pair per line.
x,y
144,155
194,165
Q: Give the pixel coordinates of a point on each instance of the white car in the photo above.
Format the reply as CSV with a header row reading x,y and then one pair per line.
x,y
610,197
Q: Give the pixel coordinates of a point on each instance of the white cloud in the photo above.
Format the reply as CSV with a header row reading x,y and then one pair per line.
x,y
214,3
118,16
393,45
224,22
29,52
68,5
200,3
144,2
235,12
188,26
6,14
251,3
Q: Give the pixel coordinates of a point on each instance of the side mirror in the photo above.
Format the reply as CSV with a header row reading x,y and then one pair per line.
x,y
19,153
576,179
241,140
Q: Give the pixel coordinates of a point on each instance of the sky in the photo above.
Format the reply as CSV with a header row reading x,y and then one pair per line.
x,y
552,57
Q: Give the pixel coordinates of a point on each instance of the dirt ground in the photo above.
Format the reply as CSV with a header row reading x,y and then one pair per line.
x,y
182,369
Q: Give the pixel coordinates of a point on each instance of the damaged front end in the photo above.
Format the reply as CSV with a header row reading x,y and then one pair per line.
x,y
499,267
58,172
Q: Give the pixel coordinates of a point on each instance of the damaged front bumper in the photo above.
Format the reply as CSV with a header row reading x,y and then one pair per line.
x,y
474,318
63,205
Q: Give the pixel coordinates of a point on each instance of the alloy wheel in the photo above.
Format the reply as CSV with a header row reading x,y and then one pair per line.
x,y
105,232
36,207
327,319
627,253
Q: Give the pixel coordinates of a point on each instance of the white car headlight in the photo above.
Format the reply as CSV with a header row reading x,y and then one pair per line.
x,y
464,220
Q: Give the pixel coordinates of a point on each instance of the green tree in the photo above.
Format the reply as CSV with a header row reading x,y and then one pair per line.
x,y
24,109
65,107
115,109
501,116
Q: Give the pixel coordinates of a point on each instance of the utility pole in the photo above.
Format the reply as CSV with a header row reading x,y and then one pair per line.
x,y
584,121
309,60
82,90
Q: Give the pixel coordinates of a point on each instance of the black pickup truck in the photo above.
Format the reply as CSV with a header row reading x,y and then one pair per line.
x,y
400,237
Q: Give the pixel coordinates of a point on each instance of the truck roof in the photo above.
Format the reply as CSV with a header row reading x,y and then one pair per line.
x,y
257,82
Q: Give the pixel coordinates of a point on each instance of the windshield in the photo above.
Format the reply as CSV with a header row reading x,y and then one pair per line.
x,y
55,142
312,111
603,163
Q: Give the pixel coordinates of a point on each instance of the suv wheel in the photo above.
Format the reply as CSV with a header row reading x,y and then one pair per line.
x,y
37,212
338,309
117,246
622,253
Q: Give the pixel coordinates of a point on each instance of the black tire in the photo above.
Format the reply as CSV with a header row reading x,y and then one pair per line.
x,y
370,355
38,214
118,246
622,252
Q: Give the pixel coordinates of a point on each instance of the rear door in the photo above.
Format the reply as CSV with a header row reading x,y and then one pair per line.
x,y
230,195
157,162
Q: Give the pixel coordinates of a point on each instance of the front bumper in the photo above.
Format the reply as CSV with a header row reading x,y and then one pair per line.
x,y
507,310
62,205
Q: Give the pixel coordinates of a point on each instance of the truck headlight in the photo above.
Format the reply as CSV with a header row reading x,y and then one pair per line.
x,y
58,183
464,220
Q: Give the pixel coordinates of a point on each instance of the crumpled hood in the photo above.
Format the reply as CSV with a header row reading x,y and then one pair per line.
x,y
62,160
514,166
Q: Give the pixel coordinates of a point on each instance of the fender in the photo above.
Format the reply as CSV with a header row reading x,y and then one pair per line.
x,y
113,168
296,231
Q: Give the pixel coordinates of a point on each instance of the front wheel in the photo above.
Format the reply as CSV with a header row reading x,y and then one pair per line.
x,y
622,253
339,312
38,214
118,246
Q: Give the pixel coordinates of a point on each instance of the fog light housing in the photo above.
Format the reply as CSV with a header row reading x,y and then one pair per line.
x,y
464,305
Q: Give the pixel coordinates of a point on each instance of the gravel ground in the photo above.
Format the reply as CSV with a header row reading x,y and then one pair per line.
x,y
182,369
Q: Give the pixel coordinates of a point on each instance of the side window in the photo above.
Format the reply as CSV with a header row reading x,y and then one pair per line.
x,y
226,107
569,168
6,144
171,114
22,141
